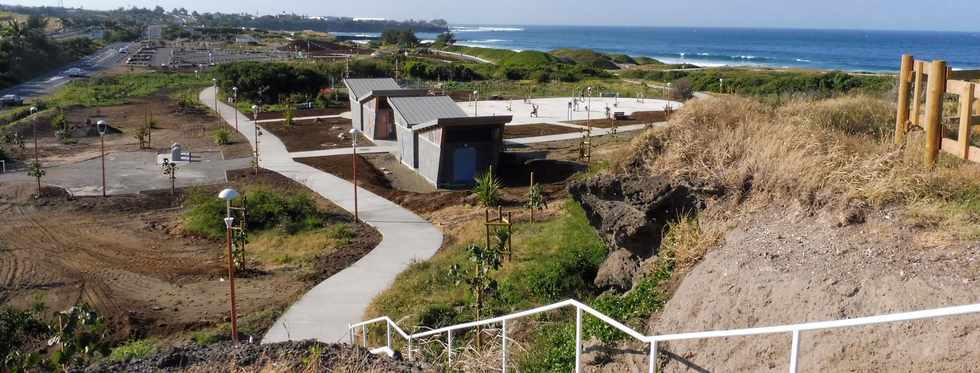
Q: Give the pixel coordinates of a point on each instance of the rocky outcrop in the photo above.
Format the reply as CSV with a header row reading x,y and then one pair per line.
x,y
630,214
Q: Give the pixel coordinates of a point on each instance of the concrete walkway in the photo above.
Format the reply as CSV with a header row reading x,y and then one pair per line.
x,y
596,132
325,311
341,151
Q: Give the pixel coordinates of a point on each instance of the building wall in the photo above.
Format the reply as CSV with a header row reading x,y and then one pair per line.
x,y
357,112
487,143
370,115
406,146
429,159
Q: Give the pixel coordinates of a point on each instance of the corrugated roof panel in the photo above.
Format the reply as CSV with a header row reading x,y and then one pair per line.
x,y
417,110
361,87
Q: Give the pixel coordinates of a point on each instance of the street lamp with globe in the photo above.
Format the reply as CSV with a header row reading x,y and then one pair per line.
x,y
354,132
228,195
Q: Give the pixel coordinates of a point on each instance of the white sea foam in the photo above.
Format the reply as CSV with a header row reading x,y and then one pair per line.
x,y
485,29
802,60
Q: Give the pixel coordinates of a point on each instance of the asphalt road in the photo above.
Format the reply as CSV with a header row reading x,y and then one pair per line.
x,y
102,59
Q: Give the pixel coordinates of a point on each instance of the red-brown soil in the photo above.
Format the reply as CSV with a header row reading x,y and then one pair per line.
x,y
191,128
128,257
640,117
538,129
307,112
315,134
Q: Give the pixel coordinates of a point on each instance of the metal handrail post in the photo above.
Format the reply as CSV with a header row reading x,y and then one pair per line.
x,y
388,333
449,347
653,357
503,346
794,353
578,340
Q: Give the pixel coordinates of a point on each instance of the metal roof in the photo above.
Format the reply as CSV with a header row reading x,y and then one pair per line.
x,y
361,87
417,110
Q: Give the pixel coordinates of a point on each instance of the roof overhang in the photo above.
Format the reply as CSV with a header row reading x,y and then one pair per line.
x,y
491,120
393,93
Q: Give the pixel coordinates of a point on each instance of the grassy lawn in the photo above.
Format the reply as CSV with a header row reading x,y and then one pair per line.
x,y
117,90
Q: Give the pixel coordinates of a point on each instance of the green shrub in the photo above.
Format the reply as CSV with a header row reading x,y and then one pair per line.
x,y
488,189
221,136
132,350
438,315
552,349
292,212
587,57
753,82
208,336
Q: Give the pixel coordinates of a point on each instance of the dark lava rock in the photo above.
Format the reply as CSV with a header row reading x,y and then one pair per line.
x,y
630,212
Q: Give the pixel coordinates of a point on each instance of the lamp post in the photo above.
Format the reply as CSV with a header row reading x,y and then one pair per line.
x,y
234,100
476,101
255,135
102,127
37,162
353,140
588,109
214,83
667,105
721,85
228,195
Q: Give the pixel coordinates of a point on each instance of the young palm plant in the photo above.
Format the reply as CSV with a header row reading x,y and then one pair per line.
x,y
487,189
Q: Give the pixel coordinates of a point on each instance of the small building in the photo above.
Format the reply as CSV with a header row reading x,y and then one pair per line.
x,y
370,111
444,145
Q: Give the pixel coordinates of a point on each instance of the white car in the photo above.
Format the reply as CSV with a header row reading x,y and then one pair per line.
x,y
76,73
11,100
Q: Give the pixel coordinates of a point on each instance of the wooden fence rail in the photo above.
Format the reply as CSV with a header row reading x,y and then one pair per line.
x,y
934,80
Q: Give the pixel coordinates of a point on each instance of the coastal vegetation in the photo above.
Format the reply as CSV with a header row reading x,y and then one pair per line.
x,y
26,51
768,82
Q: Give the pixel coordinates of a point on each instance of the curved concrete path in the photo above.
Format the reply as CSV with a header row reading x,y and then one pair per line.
x,y
324,312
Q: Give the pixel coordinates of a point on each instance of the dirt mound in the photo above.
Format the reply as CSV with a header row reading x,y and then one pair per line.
x,y
782,269
279,357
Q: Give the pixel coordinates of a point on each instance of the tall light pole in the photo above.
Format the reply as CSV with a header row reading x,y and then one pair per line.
x,y
214,83
476,101
255,134
721,85
588,110
667,105
353,140
37,162
228,195
102,127
234,100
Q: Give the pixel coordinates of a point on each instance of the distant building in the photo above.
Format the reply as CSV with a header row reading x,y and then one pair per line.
x,y
246,39
435,137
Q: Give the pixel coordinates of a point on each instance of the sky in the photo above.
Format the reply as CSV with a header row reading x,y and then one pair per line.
x,y
940,15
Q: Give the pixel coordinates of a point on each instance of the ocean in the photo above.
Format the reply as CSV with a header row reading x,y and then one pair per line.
x,y
846,50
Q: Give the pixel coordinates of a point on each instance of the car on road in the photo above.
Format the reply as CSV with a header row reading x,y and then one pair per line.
x,y
76,73
11,100
124,50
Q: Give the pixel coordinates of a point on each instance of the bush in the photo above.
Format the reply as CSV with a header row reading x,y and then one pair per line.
x,y
752,82
552,350
132,350
221,136
291,212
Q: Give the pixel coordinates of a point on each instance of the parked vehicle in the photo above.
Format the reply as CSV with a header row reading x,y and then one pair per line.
x,y
12,100
76,73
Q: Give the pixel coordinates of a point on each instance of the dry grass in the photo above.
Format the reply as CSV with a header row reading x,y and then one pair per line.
x,y
835,152
274,248
687,241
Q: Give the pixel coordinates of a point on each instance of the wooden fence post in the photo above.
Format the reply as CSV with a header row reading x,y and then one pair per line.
x,y
966,116
934,110
904,75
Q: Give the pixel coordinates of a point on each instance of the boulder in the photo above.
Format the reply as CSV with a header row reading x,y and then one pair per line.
x,y
630,212
617,271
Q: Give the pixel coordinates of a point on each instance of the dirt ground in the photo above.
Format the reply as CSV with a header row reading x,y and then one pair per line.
x,y
129,258
538,129
778,268
307,112
315,134
640,117
192,129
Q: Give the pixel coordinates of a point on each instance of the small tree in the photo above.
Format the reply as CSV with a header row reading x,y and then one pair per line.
x,y
289,114
36,171
487,189
80,335
535,199
445,39
170,170
477,279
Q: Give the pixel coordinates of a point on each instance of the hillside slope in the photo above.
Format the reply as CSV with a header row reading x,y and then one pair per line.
x,y
805,211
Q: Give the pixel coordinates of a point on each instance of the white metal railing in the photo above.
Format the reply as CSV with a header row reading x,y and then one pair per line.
x,y
794,330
